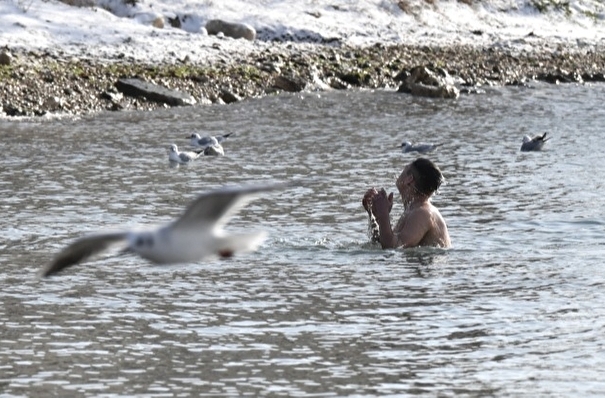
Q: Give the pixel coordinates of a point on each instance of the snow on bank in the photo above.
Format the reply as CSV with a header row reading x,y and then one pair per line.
x,y
128,32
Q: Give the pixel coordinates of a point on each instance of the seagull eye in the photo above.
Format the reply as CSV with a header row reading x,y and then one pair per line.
x,y
144,241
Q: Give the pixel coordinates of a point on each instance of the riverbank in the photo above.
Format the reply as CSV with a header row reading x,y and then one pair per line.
x,y
36,83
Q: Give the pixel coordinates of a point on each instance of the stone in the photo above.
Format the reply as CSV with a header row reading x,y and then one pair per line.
x,y
53,103
5,57
158,23
230,29
174,21
114,97
288,84
138,88
425,82
228,96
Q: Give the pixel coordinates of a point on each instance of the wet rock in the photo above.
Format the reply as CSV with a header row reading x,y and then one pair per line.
x,y
352,78
230,29
113,96
593,77
560,76
472,90
53,104
338,84
429,82
290,84
228,97
402,76
6,58
153,92
270,67
12,110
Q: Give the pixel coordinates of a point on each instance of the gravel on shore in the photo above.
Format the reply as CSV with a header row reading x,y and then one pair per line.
x,y
38,83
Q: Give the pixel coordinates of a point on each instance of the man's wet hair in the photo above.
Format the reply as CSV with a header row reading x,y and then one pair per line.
x,y
427,176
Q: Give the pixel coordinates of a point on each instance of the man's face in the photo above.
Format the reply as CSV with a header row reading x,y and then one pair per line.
x,y
404,179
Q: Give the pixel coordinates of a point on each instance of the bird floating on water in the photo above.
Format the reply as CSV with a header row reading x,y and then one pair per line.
x,y
203,142
214,150
196,235
174,155
407,146
534,143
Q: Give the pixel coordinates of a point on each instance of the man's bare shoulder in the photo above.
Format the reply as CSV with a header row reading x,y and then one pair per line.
x,y
423,226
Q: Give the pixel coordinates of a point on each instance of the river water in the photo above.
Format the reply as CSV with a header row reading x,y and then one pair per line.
x,y
514,308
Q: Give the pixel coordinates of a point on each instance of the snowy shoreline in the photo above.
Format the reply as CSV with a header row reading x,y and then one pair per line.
x,y
164,31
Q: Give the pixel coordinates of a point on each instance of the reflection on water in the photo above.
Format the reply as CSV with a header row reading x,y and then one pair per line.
x,y
513,308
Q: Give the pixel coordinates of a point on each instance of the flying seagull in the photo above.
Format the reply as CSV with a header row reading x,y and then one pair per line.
x,y
206,141
534,143
196,235
407,146
174,155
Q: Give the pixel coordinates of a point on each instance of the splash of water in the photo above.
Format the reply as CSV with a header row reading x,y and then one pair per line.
x,y
373,228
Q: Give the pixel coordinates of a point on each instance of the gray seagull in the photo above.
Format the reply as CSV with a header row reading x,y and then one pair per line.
x,y
174,155
203,142
534,143
197,234
407,146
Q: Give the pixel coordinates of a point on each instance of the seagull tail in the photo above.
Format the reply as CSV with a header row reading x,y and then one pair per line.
x,y
240,243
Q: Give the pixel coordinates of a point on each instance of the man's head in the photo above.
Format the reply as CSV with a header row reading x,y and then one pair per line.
x,y
422,175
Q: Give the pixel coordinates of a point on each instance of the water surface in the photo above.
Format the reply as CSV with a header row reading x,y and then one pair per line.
x,y
515,308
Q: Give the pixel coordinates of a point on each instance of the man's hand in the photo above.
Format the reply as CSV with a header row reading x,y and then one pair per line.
x,y
381,203
366,202
378,201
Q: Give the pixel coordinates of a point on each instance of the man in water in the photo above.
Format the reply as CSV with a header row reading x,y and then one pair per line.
x,y
421,223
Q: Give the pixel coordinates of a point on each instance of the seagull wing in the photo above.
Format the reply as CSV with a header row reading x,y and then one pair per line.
x,y
204,141
82,249
528,146
188,156
223,137
215,208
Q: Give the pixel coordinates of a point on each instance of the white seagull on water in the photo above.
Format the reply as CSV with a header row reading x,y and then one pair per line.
x,y
196,235
214,149
174,155
206,141
534,143
407,146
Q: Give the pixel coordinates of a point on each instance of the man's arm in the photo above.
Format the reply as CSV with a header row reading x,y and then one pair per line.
x,y
381,207
388,239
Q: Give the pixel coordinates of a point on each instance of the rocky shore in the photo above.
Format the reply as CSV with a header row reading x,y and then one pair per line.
x,y
36,83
